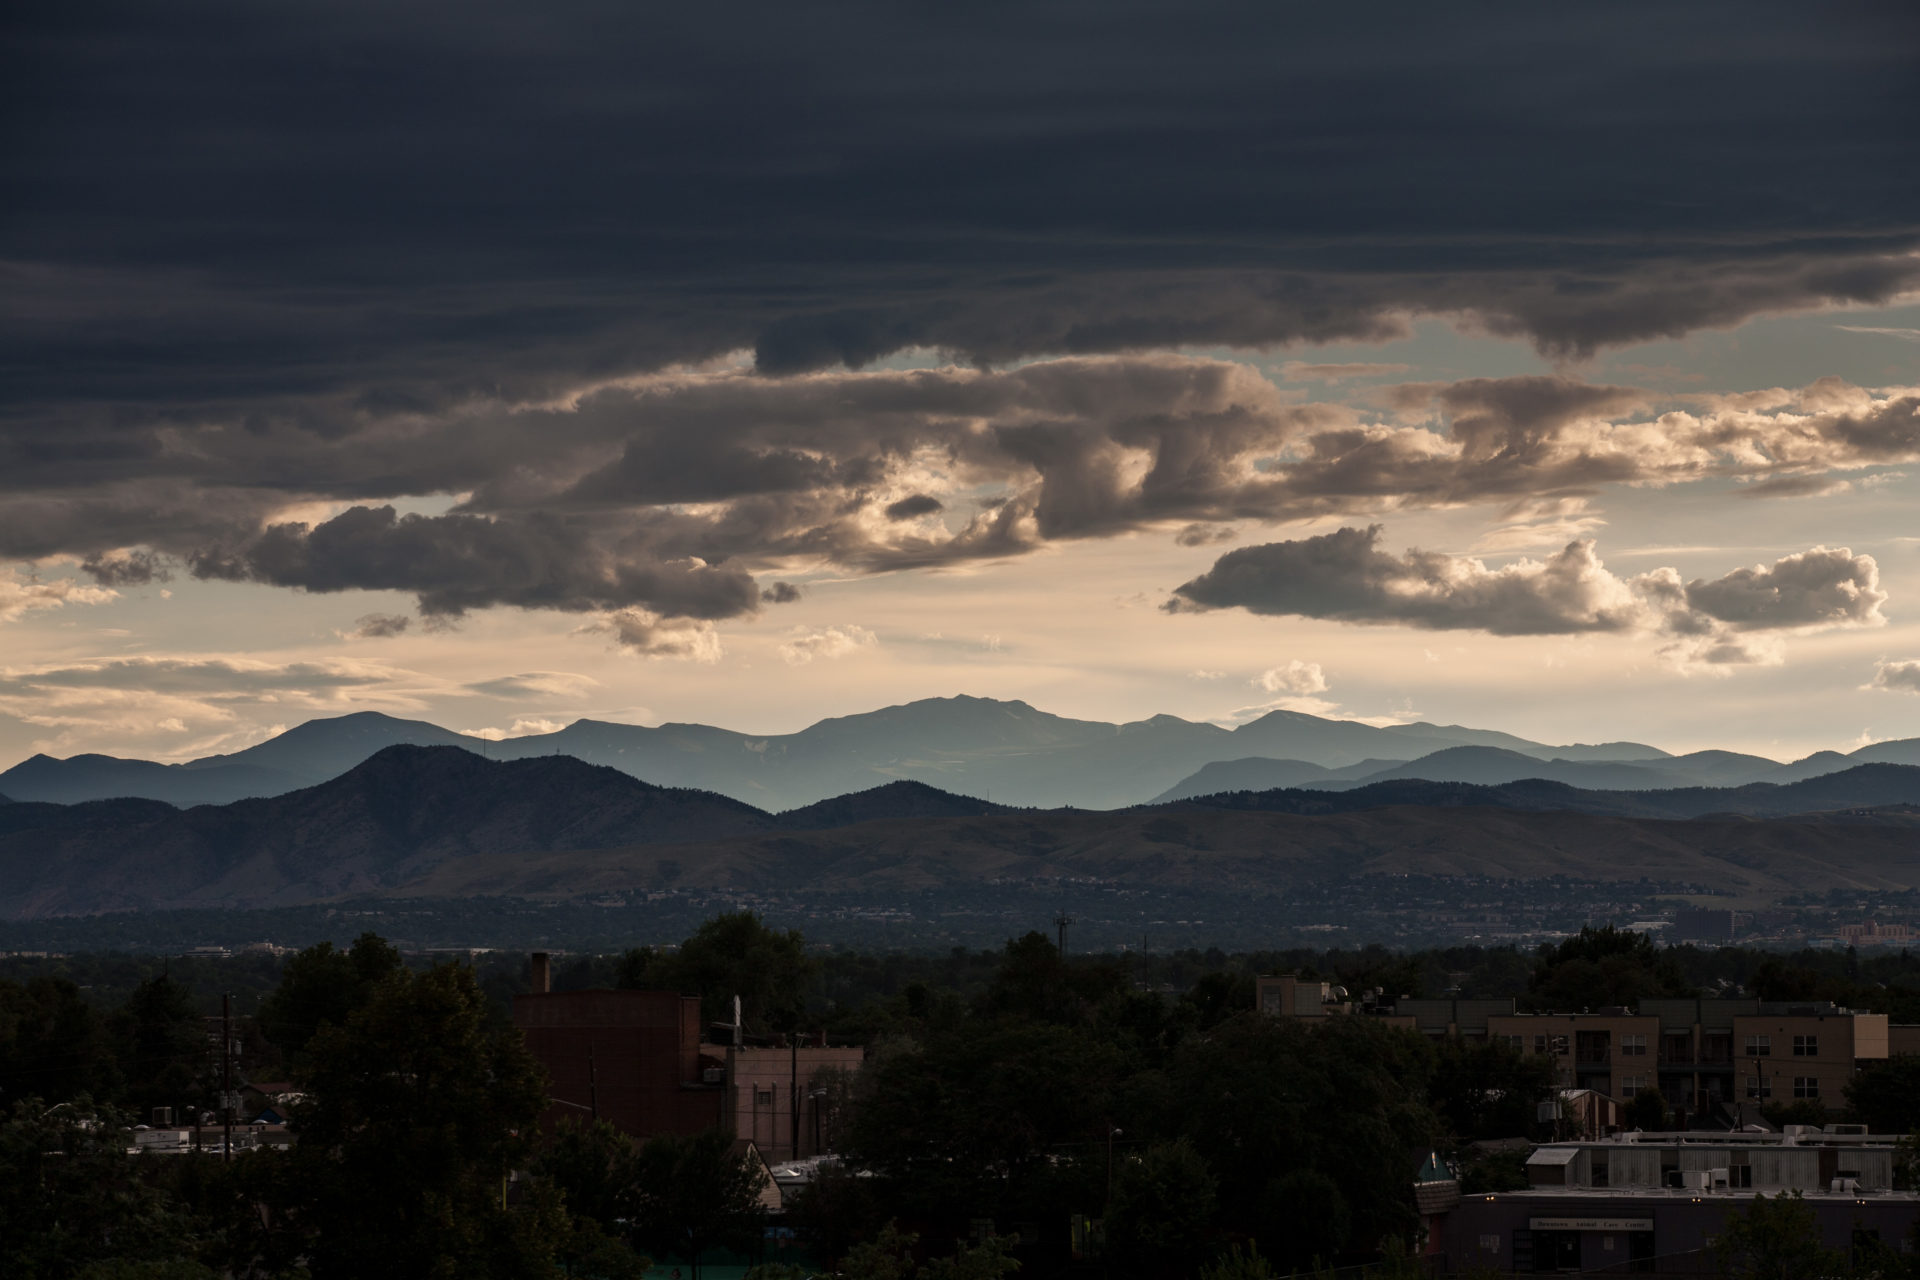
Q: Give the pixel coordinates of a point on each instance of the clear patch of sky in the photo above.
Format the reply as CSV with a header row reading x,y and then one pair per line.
x,y
1770,351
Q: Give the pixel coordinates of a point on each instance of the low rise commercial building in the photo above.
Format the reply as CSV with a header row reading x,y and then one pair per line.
x,y
1653,1203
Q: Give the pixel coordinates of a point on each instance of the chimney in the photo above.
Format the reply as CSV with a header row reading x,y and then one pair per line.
x,y
542,977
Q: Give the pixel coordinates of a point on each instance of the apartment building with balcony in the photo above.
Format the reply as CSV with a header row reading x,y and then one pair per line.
x,y
1701,1054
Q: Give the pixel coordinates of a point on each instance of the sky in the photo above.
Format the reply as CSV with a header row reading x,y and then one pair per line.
x,y
1553,369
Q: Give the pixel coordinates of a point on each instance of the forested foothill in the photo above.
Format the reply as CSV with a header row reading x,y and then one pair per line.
x,y
1007,1095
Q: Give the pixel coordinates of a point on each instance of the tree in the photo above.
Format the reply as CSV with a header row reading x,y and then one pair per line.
x,y
987,1259
733,954
1775,1239
53,1044
1647,1110
1488,1089
1263,1097
417,1109
889,1256
73,1204
1036,982
1603,967
1313,1205
969,1119
1886,1095
1240,1264
833,1211
164,1049
321,987
694,1194
1162,1210
591,1165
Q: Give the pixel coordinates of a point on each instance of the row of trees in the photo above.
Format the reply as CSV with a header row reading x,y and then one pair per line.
x,y
1194,1131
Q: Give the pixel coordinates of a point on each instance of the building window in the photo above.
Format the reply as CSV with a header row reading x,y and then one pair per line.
x,y
1631,1085
1759,1046
1593,1046
1633,1046
1759,1087
1517,1043
1678,1047
763,1097
1806,1046
1806,1086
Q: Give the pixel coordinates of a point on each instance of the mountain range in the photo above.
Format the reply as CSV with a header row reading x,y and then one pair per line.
x,y
440,821
997,750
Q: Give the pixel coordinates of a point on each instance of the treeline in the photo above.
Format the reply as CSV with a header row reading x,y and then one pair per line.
x,y
1006,1095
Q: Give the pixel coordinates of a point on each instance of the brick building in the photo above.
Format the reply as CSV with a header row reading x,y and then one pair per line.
x,y
637,1060
631,1057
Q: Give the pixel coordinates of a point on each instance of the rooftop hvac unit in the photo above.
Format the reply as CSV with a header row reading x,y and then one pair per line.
x,y
1693,1179
713,1075
163,1115
1847,1186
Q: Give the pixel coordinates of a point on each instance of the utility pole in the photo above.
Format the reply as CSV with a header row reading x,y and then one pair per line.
x,y
226,1075
593,1083
1061,922
793,1087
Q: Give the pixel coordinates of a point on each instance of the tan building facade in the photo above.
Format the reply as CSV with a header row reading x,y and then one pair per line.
x,y
1699,1053
1611,1053
765,1085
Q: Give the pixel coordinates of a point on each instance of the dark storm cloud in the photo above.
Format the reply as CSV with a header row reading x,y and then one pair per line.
x,y
134,568
667,492
917,504
459,562
314,213
252,256
380,626
1346,576
779,593
1826,586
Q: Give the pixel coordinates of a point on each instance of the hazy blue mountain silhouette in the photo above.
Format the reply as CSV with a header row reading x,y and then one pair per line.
x,y
1002,751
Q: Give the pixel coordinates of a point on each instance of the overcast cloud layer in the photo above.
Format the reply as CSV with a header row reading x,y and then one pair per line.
x,y
652,321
